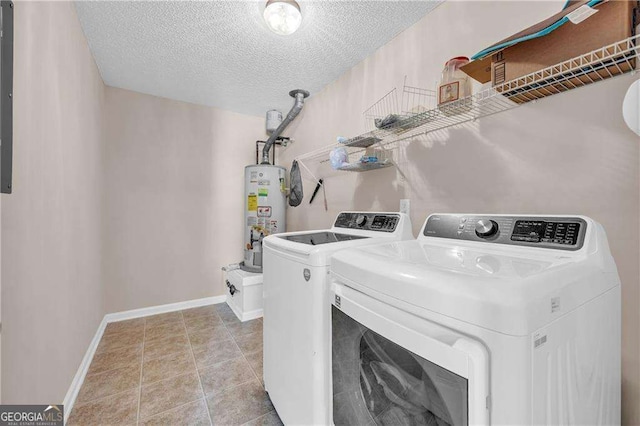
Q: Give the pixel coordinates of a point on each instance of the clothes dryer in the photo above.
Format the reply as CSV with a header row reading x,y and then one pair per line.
x,y
484,319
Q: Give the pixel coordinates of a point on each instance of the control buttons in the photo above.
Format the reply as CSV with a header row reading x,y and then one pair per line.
x,y
563,233
361,220
525,238
556,241
545,232
486,228
379,223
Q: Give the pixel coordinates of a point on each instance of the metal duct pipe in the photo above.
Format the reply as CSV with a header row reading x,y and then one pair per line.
x,y
299,96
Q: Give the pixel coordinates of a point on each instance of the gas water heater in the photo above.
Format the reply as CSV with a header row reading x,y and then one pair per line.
x,y
265,204
265,195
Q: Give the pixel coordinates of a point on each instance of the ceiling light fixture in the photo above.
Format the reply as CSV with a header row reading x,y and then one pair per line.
x,y
282,16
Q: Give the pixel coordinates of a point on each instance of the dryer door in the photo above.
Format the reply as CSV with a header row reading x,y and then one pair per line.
x,y
393,368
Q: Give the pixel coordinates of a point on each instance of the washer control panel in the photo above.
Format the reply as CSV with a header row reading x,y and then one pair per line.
x,y
564,233
386,222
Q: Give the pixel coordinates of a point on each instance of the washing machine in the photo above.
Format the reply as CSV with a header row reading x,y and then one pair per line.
x,y
297,309
484,319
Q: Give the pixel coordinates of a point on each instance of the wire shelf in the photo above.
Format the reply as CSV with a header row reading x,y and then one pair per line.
x,y
365,167
386,106
416,100
616,59
601,64
362,141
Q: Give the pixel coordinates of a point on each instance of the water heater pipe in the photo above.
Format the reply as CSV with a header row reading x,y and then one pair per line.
x,y
299,96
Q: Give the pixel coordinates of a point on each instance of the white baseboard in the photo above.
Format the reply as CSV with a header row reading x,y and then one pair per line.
x,y
245,316
76,383
78,379
161,309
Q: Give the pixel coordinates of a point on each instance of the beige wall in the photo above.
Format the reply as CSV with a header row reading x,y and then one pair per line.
x,y
568,154
141,220
51,224
174,184
120,201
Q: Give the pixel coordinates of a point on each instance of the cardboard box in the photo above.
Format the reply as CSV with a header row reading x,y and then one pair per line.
x,y
614,21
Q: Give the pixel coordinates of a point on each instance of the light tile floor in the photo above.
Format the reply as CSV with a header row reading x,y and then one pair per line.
x,y
199,366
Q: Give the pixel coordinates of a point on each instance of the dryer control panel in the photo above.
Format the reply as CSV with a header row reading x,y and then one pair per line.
x,y
564,233
382,222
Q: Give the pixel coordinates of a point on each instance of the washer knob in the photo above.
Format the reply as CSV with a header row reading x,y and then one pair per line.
x,y
486,228
361,220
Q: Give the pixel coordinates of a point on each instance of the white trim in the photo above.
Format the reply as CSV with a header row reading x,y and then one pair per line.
x,y
252,315
78,379
161,309
245,316
76,383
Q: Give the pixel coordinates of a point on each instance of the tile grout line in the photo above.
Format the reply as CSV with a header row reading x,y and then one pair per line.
x,y
99,351
144,337
114,369
91,401
230,388
233,337
157,357
257,418
164,378
174,408
195,364
142,346
99,400
158,340
102,398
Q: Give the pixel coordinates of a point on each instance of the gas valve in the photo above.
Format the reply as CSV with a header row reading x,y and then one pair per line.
x,y
233,290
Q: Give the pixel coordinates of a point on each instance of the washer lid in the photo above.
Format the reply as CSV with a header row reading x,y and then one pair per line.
x,y
297,246
513,291
350,229
320,237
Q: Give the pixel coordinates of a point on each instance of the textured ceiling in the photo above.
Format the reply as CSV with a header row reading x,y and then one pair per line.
x,y
221,53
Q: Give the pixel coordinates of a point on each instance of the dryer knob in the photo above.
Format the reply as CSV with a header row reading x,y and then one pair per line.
x,y
486,228
361,220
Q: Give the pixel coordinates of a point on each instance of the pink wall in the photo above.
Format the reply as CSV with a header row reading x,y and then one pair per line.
x,y
121,201
569,154
51,224
174,184
147,211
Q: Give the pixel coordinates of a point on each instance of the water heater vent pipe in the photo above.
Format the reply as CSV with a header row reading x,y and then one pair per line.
x,y
299,96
